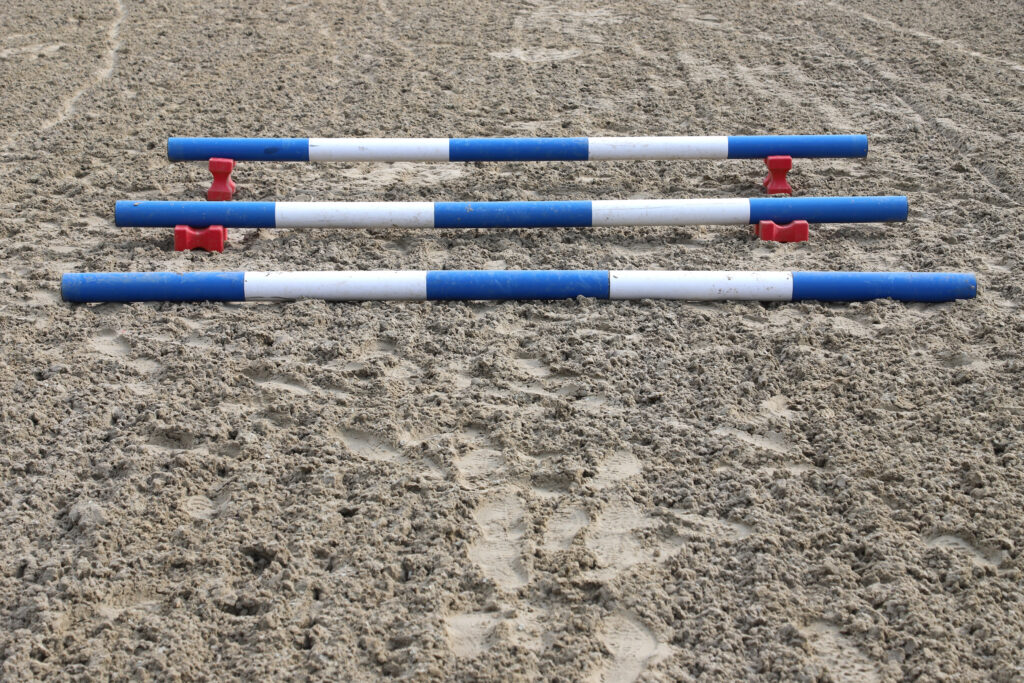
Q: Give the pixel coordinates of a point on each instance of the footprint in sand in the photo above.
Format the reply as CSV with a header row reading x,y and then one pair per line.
x,y
469,635
502,521
276,382
473,633
839,656
198,507
771,441
283,384
500,515
623,535
777,406
708,527
563,527
616,538
370,446
533,367
479,465
633,648
958,544
569,520
618,466
111,343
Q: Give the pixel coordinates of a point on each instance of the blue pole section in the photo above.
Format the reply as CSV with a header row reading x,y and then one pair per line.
x,y
468,285
925,287
501,285
197,214
512,214
515,149
126,287
239,149
822,146
518,149
150,214
829,209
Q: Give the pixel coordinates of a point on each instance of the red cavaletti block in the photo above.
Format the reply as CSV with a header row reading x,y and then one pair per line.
x,y
770,231
223,187
211,239
775,182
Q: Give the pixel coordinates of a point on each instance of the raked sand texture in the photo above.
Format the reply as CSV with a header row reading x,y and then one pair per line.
x,y
573,490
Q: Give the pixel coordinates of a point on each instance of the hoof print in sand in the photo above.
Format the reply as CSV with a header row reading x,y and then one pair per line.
x,y
501,518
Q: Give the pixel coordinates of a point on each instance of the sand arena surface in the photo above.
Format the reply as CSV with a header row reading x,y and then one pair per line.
x,y
576,490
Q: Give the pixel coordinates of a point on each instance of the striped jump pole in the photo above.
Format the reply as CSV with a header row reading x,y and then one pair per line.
x,y
778,151
598,213
464,285
517,149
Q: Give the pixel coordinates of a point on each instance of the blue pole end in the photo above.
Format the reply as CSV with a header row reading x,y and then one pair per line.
x,y
151,214
829,209
806,146
924,287
239,149
130,287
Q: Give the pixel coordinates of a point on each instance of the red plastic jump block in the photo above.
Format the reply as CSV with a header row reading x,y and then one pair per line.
x,y
770,231
775,182
223,187
211,239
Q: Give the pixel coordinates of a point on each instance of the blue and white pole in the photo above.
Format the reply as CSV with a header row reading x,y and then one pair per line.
x,y
421,285
154,214
517,149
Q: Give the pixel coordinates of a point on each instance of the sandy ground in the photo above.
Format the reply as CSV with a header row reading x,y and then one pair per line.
x,y
573,490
